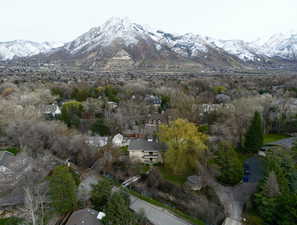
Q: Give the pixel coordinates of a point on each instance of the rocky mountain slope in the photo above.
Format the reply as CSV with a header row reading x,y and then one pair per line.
x,y
140,46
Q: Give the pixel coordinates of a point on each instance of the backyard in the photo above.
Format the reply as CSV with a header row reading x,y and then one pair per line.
x,y
268,138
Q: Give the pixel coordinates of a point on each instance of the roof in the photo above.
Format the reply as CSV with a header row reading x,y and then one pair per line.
x,y
5,156
84,217
52,109
99,141
144,145
230,221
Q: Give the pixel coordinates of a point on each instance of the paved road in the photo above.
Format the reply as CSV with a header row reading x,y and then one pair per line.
x,y
234,198
286,142
156,215
256,166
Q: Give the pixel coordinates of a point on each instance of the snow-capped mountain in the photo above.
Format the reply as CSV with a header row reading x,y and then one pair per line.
x,y
187,45
243,50
130,34
21,48
115,28
148,47
283,45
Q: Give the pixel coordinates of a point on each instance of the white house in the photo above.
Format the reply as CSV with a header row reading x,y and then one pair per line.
x,y
119,141
52,110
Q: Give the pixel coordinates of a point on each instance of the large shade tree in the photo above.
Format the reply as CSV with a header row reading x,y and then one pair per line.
x,y
185,144
71,113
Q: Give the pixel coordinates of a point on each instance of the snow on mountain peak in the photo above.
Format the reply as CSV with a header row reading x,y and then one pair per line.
x,y
114,28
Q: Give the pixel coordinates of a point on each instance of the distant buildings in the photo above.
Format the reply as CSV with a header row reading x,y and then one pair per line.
x,y
97,141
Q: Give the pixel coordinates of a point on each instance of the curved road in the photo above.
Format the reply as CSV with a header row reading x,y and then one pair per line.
x,y
155,214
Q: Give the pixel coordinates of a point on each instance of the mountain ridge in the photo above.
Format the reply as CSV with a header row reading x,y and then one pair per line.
x,y
150,47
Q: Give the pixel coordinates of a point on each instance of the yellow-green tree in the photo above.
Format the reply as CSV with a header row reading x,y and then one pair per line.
x,y
185,144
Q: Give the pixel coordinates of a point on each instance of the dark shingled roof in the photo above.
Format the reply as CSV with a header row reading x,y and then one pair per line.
x,y
84,217
141,144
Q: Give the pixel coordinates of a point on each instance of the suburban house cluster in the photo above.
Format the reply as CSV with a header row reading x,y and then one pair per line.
x,y
139,138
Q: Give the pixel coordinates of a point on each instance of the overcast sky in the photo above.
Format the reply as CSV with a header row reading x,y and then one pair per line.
x,y
64,20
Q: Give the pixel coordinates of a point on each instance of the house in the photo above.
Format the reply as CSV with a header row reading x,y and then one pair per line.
x,y
153,100
97,141
85,217
142,150
155,120
196,183
230,221
5,156
6,174
112,105
119,141
51,111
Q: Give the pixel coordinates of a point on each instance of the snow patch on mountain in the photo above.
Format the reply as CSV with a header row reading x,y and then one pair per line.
x,y
243,50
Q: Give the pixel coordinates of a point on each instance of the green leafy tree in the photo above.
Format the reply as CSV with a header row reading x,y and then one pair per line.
x,y
100,128
62,189
71,113
185,144
100,194
80,94
254,135
219,89
118,212
231,167
111,93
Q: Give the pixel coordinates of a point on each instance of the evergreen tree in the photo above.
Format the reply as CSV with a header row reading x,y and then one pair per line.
x,y
231,167
118,212
62,189
100,194
254,135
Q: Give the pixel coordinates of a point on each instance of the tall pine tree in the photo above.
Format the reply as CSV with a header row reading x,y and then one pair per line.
x,y
254,135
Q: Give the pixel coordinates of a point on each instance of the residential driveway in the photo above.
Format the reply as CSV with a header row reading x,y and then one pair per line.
x,y
156,215
256,166
287,142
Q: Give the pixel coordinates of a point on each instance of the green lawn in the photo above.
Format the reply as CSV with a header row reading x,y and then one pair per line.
x,y
176,179
268,138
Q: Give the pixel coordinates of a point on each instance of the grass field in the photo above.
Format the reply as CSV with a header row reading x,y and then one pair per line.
x,y
268,138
